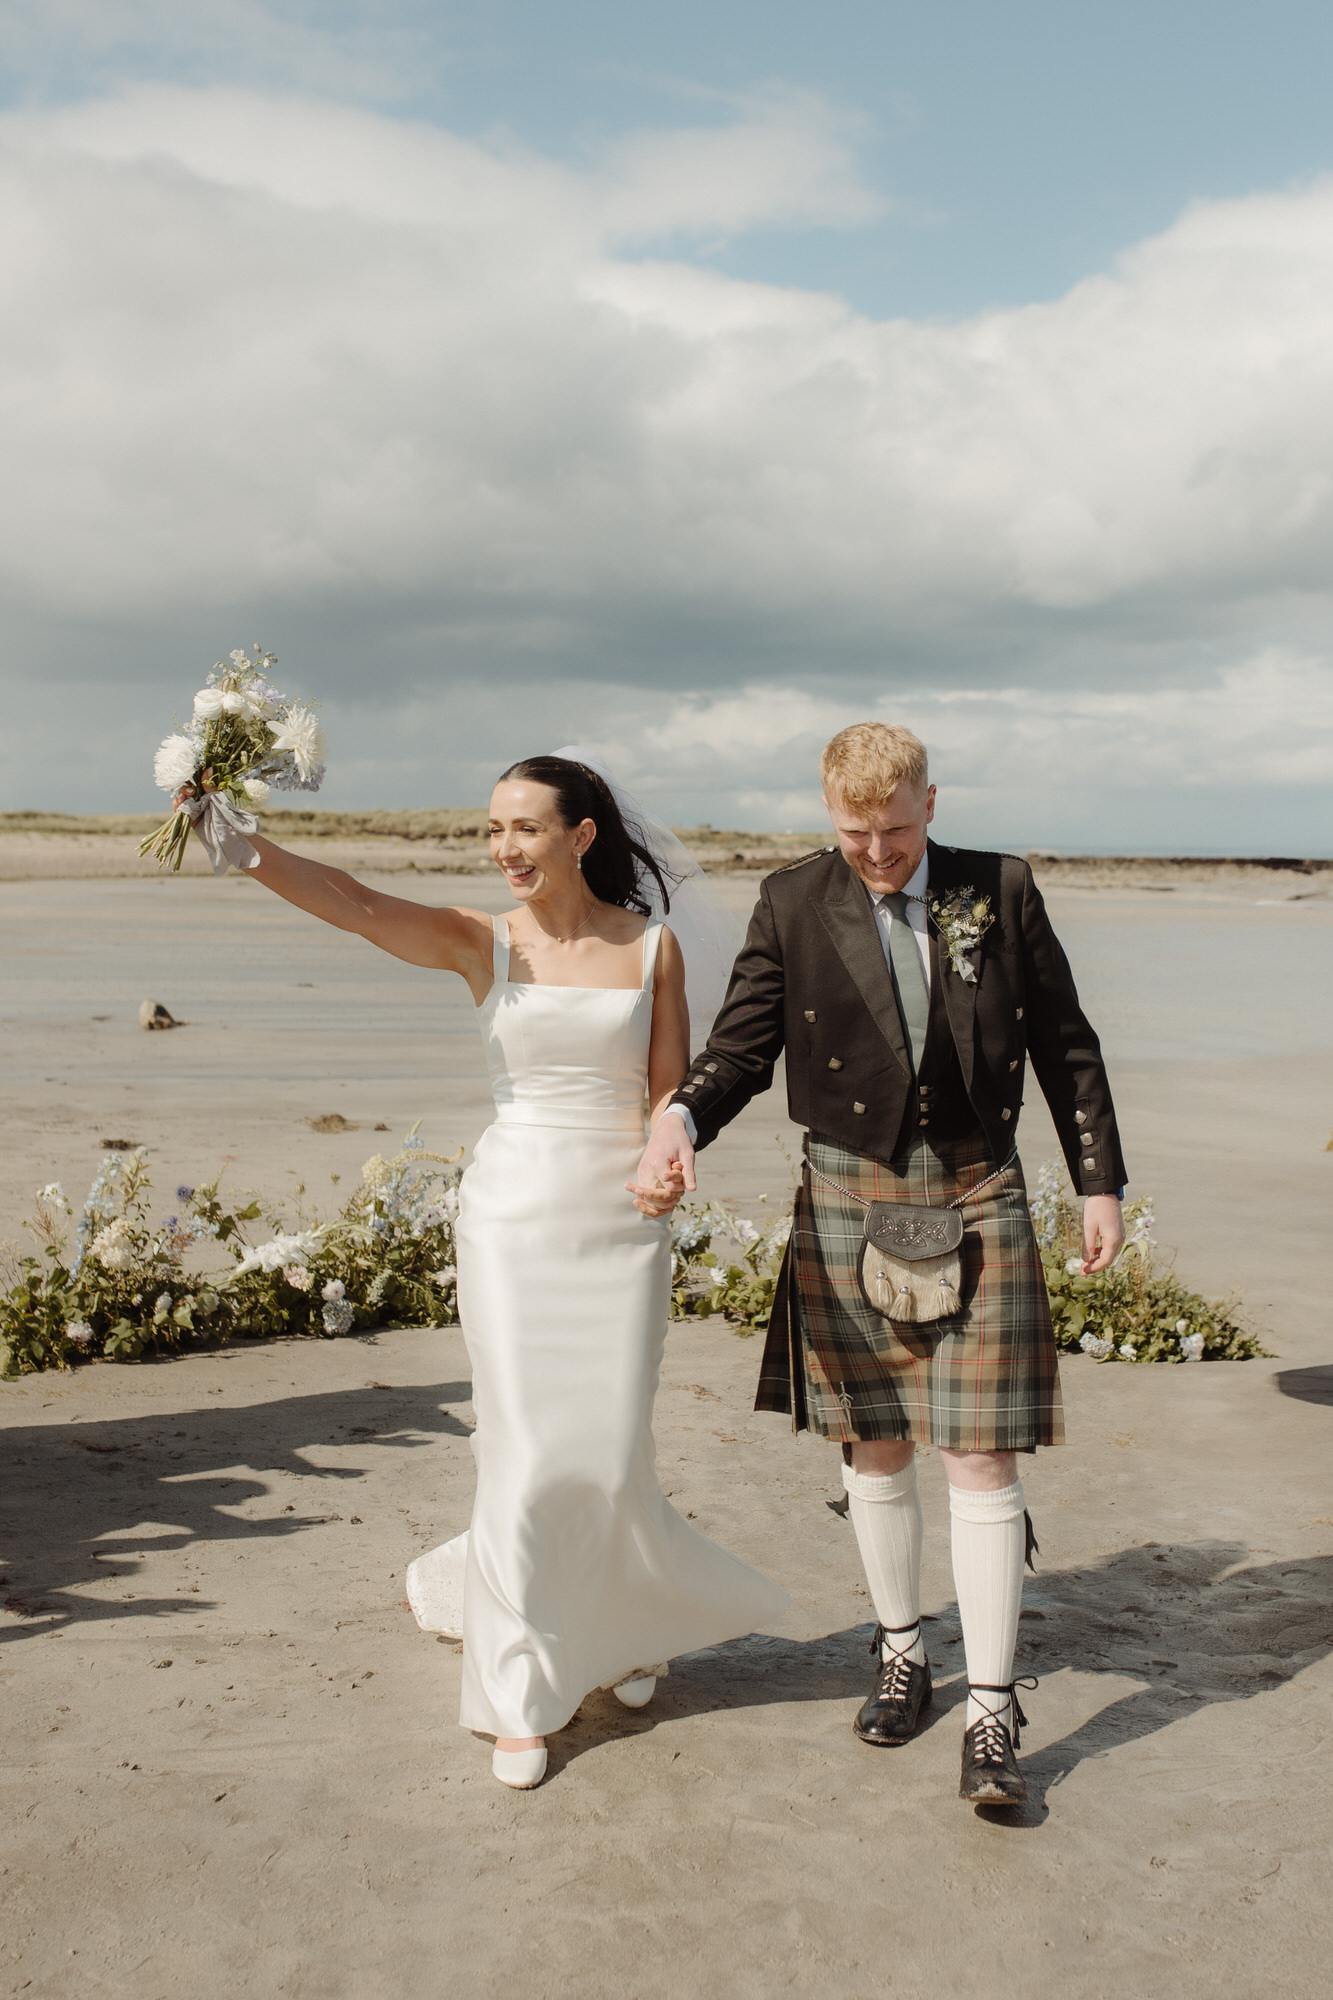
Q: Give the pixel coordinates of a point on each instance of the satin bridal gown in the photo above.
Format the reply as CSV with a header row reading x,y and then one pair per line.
x,y
576,1571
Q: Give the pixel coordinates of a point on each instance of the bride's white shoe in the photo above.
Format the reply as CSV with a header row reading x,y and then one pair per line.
x,y
523,1769
636,1692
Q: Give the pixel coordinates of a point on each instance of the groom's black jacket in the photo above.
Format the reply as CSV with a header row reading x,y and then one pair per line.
x,y
811,979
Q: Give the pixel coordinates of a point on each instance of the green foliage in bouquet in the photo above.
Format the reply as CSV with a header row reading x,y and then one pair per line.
x,y
125,1286
1134,1311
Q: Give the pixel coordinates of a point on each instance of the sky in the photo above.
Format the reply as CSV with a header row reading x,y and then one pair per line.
x,y
686,382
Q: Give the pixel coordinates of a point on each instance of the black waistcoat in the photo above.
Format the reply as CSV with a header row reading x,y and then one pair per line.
x,y
939,1107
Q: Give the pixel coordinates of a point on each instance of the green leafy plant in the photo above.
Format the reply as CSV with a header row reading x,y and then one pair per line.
x,y
1136,1311
738,1287
119,1285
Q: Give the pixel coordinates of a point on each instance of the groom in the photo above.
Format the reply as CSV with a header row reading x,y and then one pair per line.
x,y
909,985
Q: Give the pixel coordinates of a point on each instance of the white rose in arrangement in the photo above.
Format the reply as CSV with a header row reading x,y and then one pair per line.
x,y
297,1277
257,791
334,1290
79,1332
208,704
1191,1346
174,763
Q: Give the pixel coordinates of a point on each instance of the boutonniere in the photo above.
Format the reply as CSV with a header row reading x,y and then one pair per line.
x,y
962,920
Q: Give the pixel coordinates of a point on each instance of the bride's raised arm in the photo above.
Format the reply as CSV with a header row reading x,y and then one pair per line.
x,y
448,939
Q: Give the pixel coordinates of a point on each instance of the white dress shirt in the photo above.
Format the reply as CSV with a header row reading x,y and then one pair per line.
x,y
916,917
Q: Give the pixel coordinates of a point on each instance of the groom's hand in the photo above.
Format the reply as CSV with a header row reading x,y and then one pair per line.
x,y
667,1162
1103,1232
659,1198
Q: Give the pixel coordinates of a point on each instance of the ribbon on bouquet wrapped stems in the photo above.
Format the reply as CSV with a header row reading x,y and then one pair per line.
x,y
222,827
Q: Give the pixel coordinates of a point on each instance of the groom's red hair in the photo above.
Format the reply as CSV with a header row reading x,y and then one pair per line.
x,y
865,764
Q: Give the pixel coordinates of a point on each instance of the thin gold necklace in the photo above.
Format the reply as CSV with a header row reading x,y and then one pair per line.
x,y
551,937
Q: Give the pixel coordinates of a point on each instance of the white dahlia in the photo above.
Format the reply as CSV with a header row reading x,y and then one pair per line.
x,y
299,731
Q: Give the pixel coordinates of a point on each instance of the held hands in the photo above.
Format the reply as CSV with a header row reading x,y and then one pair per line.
x,y
666,1170
1103,1232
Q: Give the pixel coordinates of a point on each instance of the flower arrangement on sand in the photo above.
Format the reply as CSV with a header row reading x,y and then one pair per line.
x,y
705,1282
118,1285
243,740
1135,1311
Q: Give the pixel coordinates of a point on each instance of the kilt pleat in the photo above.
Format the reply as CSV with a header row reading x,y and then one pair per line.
x,y
984,1379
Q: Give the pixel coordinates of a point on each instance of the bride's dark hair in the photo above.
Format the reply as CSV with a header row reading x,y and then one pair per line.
x,y
617,863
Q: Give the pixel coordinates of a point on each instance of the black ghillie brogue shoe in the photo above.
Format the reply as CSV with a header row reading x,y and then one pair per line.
x,y
991,1776
902,1689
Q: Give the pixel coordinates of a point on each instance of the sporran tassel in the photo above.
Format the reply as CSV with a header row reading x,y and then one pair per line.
x,y
882,1293
904,1304
947,1300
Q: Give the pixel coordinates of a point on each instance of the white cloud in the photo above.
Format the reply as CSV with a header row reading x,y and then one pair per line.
x,y
276,346
1258,728
267,359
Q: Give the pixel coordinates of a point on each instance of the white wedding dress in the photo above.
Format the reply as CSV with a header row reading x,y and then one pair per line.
x,y
576,1571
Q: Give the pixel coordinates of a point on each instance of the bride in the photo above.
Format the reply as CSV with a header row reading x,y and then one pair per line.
x,y
576,1572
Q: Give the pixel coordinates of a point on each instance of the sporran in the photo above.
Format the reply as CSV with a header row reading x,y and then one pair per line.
x,y
911,1263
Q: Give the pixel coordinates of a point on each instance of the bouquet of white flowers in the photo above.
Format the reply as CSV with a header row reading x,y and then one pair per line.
x,y
243,739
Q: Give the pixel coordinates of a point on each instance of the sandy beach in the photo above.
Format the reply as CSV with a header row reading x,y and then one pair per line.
x,y
231,1758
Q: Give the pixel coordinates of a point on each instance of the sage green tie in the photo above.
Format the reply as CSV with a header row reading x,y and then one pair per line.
x,y
909,981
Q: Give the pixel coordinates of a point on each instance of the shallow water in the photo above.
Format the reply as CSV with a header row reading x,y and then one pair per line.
x,y
1182,977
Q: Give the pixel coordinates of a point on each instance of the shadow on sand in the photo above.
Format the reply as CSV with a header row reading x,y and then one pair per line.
x,y
82,1501
1307,1385
1192,1623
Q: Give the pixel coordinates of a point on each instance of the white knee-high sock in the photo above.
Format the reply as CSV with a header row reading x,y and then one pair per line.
x,y
886,1514
989,1542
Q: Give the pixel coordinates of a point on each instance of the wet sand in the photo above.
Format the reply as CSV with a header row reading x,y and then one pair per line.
x,y
231,1759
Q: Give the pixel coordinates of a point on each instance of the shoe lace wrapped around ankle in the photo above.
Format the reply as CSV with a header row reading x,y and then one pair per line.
x,y
895,1678
989,1734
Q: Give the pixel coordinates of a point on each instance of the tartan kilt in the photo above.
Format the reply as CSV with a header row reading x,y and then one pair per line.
x,y
984,1379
